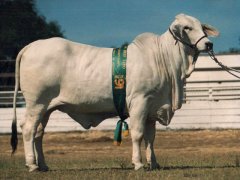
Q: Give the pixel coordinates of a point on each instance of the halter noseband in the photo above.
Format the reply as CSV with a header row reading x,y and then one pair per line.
x,y
193,46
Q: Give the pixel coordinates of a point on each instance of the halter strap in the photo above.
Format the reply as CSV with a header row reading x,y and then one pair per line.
x,y
193,46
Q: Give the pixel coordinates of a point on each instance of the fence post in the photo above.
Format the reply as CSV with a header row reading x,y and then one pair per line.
x,y
210,93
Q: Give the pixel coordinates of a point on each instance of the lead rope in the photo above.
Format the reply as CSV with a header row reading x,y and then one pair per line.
x,y
226,68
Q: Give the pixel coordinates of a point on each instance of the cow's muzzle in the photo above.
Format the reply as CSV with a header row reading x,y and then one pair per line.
x,y
209,46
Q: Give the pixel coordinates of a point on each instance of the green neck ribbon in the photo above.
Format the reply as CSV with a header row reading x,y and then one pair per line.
x,y
119,91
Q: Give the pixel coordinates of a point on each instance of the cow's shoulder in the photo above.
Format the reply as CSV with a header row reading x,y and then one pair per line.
x,y
145,38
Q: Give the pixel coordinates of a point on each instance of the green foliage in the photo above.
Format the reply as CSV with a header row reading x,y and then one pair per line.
x,y
231,51
21,24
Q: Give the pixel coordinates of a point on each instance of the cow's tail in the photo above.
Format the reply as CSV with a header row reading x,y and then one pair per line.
x,y
14,138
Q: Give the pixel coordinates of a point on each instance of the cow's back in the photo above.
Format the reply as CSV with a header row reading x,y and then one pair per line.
x,y
75,74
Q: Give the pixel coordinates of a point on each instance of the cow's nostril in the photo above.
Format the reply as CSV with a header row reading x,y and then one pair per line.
x,y
209,45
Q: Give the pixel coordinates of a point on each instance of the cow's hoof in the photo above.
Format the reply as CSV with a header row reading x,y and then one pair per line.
x,y
154,166
33,168
43,168
138,166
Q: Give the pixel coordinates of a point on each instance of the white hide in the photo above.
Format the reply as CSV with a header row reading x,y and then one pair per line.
x,y
76,79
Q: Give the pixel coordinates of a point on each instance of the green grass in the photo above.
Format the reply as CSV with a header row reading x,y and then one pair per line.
x,y
181,155
211,167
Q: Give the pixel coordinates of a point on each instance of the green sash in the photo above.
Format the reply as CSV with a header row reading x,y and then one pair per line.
x,y
119,90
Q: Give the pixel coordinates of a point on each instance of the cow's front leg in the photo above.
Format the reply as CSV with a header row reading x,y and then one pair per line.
x,y
137,122
137,135
149,136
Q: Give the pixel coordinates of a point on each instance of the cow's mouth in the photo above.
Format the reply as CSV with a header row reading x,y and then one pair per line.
x,y
208,46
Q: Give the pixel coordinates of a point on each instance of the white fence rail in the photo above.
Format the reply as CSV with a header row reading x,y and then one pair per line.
x,y
212,93
193,115
206,93
6,99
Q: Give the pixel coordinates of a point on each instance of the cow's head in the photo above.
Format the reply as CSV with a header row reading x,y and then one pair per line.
x,y
192,33
193,37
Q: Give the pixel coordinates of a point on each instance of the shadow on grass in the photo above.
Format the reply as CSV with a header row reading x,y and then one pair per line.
x,y
166,168
94,169
195,167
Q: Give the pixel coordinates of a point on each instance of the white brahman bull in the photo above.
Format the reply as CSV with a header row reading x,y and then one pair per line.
x,y
57,74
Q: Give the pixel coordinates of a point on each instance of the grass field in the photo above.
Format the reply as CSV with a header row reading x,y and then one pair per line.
x,y
202,154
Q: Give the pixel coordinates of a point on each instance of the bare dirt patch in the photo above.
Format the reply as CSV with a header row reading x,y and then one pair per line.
x,y
170,142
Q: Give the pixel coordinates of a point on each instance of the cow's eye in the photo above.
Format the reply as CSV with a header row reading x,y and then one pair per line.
x,y
187,28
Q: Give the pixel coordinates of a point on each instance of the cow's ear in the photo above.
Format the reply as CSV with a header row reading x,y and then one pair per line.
x,y
176,28
209,30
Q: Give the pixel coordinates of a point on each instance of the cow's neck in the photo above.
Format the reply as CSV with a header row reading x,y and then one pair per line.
x,y
176,60
179,55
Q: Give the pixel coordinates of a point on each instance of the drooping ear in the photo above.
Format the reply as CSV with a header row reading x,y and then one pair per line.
x,y
209,30
176,26
176,29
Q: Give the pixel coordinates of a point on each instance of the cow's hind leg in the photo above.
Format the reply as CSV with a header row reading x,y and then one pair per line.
x,y
149,136
38,143
29,128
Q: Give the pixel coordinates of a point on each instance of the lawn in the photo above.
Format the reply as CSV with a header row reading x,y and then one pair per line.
x,y
202,154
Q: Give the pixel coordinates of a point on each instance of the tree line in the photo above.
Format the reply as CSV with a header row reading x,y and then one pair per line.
x,y
20,24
